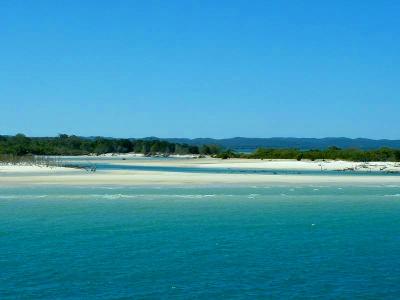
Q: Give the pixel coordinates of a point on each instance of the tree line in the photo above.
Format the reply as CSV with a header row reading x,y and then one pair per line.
x,y
333,153
63,144
73,145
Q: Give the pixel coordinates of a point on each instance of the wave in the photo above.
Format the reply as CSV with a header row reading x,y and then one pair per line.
x,y
111,196
193,196
252,196
23,196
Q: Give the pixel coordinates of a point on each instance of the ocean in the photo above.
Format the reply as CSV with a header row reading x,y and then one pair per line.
x,y
249,242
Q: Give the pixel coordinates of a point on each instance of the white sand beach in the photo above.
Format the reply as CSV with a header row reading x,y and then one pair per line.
x,y
36,175
8,169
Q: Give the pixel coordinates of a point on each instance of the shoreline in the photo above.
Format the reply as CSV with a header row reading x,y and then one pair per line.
x,y
17,175
238,163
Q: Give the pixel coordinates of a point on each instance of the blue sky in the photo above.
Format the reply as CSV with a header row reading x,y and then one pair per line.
x,y
200,68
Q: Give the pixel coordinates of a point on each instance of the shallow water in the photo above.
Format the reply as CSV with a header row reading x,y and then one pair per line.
x,y
115,164
204,243
210,170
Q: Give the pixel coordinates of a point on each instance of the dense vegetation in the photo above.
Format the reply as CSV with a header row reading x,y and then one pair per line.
x,y
20,145
72,145
241,144
383,154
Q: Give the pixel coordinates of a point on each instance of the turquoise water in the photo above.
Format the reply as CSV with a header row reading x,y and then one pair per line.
x,y
294,242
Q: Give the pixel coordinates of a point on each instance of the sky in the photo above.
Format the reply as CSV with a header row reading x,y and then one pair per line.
x,y
200,68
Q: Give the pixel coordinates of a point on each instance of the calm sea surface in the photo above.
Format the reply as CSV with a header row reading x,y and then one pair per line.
x,y
294,242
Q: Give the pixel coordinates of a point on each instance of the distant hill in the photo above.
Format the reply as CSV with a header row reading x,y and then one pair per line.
x,y
243,144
